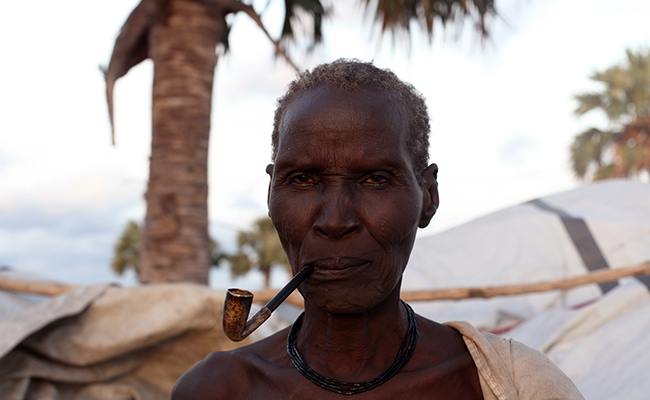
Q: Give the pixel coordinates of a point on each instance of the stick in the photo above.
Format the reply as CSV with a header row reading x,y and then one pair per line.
x,y
53,289
509,290
248,9
45,288
492,291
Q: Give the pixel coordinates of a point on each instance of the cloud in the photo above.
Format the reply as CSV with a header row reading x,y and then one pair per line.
x,y
83,207
67,231
77,259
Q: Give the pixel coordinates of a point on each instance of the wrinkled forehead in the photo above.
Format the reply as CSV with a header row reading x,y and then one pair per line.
x,y
325,127
345,108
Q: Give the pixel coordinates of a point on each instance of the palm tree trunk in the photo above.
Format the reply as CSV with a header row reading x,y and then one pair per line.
x,y
175,243
267,275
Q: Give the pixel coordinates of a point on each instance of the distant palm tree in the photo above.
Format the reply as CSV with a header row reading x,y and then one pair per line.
x,y
180,36
126,250
258,248
623,150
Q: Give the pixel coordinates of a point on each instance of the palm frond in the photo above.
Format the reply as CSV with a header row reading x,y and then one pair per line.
x,y
224,36
626,93
126,249
131,47
625,100
240,264
397,15
607,171
314,9
237,6
258,248
588,102
588,148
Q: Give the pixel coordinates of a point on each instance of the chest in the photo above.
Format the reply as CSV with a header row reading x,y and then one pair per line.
x,y
431,383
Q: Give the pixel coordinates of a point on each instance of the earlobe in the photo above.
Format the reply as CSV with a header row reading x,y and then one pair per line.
x,y
430,195
269,170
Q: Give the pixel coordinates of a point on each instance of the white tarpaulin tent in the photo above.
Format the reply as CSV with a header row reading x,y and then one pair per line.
x,y
602,347
597,334
602,225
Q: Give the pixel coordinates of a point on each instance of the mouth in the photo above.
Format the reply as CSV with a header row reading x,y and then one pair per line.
x,y
338,264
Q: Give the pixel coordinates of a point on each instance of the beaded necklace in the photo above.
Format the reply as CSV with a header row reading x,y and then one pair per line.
x,y
403,355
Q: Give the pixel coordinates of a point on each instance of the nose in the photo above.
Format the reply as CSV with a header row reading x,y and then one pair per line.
x,y
337,218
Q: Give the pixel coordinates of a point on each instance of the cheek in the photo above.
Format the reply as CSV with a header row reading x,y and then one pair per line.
x,y
393,222
292,218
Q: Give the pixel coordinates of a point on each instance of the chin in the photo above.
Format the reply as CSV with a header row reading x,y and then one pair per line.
x,y
340,302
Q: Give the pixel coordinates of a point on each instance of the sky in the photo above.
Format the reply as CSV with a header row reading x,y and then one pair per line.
x,y
501,115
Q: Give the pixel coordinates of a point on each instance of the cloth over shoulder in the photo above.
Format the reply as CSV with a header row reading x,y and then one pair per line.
x,y
509,370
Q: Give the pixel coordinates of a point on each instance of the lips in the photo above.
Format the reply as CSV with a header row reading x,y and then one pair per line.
x,y
338,264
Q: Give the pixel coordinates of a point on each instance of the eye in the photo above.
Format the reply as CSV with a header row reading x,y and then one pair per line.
x,y
303,179
375,180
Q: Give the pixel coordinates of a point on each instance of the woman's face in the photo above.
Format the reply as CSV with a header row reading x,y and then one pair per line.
x,y
344,197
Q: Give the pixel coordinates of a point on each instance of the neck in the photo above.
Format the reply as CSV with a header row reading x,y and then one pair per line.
x,y
353,347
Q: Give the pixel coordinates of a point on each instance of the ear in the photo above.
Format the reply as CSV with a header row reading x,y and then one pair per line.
x,y
430,195
269,170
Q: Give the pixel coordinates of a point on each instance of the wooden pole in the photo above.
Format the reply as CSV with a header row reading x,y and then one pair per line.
x,y
53,289
493,291
509,290
45,288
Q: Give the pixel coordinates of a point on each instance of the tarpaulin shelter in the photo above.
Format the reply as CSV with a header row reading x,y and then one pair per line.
x,y
598,226
104,342
598,334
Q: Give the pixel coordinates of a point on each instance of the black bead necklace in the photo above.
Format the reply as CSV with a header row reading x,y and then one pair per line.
x,y
403,355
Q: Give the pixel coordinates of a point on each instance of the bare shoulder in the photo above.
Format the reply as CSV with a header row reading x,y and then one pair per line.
x,y
200,381
445,341
443,363
227,375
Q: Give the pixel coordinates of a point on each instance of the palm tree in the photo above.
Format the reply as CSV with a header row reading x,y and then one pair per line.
x,y
128,246
258,248
623,150
126,249
180,36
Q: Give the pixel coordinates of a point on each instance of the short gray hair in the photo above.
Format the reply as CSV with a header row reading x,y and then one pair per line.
x,y
350,75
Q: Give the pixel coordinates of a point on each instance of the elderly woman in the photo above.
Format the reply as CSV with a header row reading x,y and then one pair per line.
x,y
350,185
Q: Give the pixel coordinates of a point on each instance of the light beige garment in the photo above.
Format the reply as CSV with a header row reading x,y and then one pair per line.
x,y
509,370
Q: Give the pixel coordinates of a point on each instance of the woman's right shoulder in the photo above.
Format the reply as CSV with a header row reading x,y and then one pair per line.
x,y
211,377
223,374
